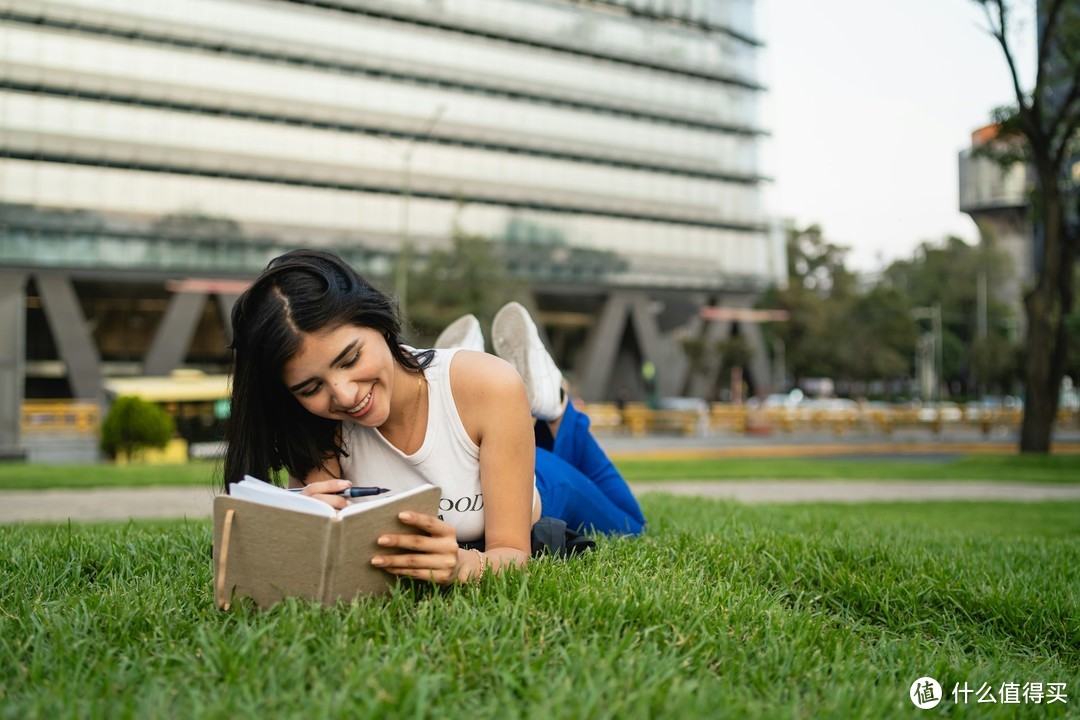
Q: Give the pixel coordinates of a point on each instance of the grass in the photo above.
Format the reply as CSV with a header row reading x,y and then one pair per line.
x,y
26,476
1015,468
1010,468
720,609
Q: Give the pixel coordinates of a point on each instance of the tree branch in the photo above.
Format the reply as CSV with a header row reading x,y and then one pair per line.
x,y
998,30
1044,39
1067,117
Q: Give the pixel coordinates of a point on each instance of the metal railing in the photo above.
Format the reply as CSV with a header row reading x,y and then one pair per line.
x,y
60,417
637,419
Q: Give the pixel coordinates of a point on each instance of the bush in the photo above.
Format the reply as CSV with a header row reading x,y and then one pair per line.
x,y
134,425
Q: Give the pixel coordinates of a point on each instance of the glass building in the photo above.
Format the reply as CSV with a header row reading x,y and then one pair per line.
x,y
155,155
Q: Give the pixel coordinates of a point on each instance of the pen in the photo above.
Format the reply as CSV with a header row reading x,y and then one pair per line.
x,y
353,492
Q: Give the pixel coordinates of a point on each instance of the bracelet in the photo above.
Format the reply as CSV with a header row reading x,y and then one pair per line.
x,y
483,564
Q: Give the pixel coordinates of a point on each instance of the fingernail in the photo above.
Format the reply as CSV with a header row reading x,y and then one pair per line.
x,y
377,561
383,540
406,516
344,484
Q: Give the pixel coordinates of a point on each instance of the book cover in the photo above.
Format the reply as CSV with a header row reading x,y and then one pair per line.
x,y
270,544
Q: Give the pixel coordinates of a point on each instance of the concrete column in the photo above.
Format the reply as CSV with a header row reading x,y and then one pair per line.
x,y
602,347
72,336
12,359
704,384
645,327
225,302
759,372
173,337
647,332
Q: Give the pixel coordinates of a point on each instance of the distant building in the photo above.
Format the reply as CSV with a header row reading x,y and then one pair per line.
x,y
997,200
155,155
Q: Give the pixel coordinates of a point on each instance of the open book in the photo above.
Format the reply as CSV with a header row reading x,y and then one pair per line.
x,y
270,543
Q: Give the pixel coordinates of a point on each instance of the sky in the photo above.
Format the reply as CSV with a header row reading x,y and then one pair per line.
x,y
869,103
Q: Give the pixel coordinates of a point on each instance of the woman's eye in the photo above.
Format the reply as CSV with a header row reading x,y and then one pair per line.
x,y
351,361
311,390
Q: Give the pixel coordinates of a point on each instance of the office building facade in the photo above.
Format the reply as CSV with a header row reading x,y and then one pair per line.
x,y
154,156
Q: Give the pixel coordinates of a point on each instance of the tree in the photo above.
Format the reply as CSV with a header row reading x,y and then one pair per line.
x,y
880,337
817,284
947,275
470,277
134,425
1047,119
833,329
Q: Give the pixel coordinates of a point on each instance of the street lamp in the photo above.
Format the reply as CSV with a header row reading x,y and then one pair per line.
x,y
401,271
933,313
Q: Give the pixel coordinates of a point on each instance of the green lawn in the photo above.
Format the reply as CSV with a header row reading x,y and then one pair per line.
x,y
720,609
24,476
1016,468
1011,468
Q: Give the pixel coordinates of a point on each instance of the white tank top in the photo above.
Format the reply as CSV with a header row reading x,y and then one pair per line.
x,y
448,458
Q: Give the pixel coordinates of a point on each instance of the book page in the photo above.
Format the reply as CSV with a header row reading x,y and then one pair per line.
x,y
259,491
262,492
360,505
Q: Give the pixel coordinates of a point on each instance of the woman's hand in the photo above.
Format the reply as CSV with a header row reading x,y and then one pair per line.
x,y
326,490
434,556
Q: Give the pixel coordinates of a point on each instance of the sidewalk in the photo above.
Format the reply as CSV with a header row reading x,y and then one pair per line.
x,y
112,504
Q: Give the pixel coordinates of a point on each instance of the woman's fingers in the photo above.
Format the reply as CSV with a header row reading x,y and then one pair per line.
x,y
325,487
428,523
431,555
418,543
326,490
336,501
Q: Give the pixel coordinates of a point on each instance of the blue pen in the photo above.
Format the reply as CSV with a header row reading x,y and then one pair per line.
x,y
353,492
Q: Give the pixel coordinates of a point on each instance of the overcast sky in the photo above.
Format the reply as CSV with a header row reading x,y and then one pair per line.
x,y
869,103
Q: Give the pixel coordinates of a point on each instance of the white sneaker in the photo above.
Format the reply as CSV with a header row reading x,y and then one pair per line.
x,y
464,332
516,340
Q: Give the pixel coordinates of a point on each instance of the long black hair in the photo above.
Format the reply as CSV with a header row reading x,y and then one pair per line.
x,y
300,292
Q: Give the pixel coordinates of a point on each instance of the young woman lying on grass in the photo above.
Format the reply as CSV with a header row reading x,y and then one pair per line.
x,y
324,388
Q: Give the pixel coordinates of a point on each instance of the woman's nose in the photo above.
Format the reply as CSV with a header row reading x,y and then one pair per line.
x,y
344,393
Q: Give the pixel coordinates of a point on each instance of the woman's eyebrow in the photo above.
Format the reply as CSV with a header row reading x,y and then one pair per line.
x,y
335,361
341,355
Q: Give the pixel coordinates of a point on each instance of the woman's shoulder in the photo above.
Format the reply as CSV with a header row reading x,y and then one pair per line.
x,y
472,368
481,383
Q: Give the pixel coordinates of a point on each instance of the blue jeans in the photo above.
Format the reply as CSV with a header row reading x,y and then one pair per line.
x,y
577,482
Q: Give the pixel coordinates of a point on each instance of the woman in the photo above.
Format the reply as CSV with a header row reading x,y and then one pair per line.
x,y
324,389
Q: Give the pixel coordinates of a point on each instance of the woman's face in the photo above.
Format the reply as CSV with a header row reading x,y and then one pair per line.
x,y
346,373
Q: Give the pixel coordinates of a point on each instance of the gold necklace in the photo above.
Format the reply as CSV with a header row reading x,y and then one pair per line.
x,y
416,410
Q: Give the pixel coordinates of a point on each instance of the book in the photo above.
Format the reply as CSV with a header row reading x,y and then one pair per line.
x,y
270,544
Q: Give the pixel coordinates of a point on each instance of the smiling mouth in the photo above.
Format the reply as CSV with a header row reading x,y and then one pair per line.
x,y
363,404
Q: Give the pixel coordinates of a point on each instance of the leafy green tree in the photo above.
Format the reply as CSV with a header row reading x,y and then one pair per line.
x,y
834,329
880,338
812,263
469,277
133,426
947,275
816,264
997,364
1046,118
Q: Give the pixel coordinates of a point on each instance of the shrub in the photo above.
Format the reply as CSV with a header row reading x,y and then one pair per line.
x,y
134,425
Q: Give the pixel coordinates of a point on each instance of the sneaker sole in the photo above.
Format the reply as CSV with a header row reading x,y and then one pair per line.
x,y
512,333
512,341
455,333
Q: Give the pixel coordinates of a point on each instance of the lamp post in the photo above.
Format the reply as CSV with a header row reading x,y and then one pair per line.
x,y
933,314
401,270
